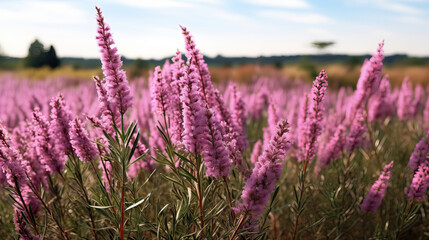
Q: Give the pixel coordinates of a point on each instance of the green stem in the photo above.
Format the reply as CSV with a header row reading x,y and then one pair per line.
x,y
371,138
78,175
238,226
25,205
225,179
302,185
200,195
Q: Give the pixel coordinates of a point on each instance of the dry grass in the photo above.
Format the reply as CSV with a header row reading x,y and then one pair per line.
x,y
46,72
339,74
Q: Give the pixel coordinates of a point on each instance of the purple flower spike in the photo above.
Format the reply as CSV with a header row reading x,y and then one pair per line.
x,y
44,144
357,130
405,100
419,184
194,116
313,122
381,105
257,150
376,194
21,228
420,153
239,117
369,81
196,59
85,149
266,172
59,126
109,115
216,154
118,89
159,94
334,147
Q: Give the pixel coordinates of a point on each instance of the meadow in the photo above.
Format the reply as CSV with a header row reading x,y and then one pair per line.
x,y
179,154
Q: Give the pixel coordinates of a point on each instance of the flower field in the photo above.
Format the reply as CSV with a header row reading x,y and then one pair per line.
x,y
175,156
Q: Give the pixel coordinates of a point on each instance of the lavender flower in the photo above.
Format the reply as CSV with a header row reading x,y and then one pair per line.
x,y
239,117
376,194
196,59
24,142
301,125
420,153
85,149
334,147
59,126
258,101
380,105
10,160
118,89
273,117
418,101
216,154
109,115
223,113
405,100
229,131
159,94
419,184
194,116
257,150
368,82
266,172
357,130
45,149
175,107
313,121
21,228
426,111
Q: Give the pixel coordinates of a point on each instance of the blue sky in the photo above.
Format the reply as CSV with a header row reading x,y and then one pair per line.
x,y
150,28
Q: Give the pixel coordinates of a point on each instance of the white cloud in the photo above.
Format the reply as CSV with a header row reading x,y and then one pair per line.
x,y
320,33
225,15
280,3
403,7
304,17
44,12
400,8
167,3
412,20
156,3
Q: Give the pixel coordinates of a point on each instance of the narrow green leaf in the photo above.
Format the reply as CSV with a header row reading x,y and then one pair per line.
x,y
138,203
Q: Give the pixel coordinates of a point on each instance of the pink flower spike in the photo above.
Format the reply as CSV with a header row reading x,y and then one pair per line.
x,y
194,116
84,148
59,127
216,154
49,156
376,194
313,122
118,89
419,184
420,153
266,172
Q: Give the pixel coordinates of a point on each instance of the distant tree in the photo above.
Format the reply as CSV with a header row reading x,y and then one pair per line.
x,y
138,68
322,45
51,58
278,64
140,64
36,55
1,55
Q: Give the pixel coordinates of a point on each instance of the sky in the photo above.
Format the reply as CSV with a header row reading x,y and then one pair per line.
x,y
150,28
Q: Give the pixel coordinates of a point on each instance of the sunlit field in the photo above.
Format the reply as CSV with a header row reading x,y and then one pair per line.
x,y
191,151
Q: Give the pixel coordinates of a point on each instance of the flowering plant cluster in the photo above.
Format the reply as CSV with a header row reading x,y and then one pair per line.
x,y
179,157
